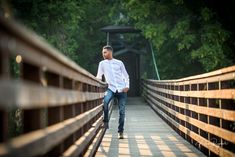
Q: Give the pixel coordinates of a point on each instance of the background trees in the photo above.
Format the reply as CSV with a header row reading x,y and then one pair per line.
x,y
72,26
188,37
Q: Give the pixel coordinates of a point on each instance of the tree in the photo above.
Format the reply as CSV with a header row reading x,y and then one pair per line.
x,y
189,38
186,35
72,26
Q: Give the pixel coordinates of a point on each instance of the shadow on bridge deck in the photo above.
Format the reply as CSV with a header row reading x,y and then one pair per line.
x,y
146,134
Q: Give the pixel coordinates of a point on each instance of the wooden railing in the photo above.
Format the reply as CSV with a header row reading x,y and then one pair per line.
x,y
58,104
200,108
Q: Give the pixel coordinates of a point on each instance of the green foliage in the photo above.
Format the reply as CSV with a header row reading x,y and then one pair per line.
x,y
71,26
206,14
211,52
179,29
187,38
186,42
15,123
56,21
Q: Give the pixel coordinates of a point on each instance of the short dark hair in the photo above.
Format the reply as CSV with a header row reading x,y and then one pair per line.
x,y
108,47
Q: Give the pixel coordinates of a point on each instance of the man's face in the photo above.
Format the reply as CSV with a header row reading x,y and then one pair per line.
x,y
107,54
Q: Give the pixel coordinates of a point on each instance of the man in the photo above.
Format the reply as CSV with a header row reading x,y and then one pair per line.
x,y
118,85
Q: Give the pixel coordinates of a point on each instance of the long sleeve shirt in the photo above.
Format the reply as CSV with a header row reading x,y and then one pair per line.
x,y
115,74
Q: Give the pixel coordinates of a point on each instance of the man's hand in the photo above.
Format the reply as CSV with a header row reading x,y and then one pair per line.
x,y
125,89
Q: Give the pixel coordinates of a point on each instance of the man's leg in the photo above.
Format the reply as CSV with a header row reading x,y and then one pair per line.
x,y
107,97
121,104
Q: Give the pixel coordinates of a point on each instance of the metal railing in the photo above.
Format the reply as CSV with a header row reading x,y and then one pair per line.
x,y
59,103
200,108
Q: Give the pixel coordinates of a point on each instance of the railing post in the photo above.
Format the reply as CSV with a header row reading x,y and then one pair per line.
x,y
208,118
220,107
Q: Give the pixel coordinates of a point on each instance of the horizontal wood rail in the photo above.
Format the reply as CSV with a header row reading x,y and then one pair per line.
x,y
56,105
200,108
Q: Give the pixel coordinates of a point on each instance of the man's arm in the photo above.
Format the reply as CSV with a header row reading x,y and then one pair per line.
x,y
100,71
126,78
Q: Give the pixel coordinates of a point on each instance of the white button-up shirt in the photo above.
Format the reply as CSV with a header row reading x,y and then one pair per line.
x,y
115,74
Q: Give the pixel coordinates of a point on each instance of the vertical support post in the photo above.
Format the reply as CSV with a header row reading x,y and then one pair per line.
x,y
191,113
74,108
198,117
107,35
185,113
208,119
220,120
61,112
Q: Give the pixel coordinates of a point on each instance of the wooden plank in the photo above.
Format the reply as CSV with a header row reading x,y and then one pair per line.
x,y
28,95
227,73
210,94
215,112
77,149
222,71
223,77
95,144
202,141
41,141
220,132
213,94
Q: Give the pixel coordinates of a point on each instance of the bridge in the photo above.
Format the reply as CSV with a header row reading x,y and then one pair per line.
x,y
57,107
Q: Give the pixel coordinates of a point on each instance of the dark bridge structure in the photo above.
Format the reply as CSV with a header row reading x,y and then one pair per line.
x,y
137,54
57,105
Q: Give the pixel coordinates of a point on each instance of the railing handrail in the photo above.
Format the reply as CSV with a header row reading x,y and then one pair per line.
x,y
201,76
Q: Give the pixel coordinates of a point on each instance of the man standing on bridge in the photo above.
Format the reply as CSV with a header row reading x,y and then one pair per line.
x,y
118,85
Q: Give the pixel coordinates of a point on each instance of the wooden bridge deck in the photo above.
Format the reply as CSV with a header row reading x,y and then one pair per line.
x,y
146,134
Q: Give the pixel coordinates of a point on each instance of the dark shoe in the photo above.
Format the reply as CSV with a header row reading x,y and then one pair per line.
x,y
121,136
106,125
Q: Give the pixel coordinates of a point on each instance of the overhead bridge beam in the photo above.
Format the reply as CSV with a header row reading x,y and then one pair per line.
x,y
126,50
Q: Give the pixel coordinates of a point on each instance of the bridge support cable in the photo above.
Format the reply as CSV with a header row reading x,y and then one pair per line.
x,y
154,60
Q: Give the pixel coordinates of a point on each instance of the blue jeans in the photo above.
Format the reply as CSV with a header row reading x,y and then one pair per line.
x,y
121,97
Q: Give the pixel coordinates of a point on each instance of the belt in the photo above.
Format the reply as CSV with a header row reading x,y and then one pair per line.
x,y
119,91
